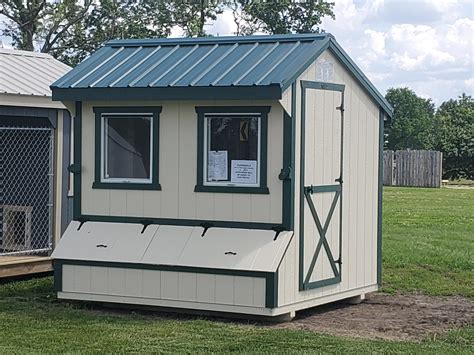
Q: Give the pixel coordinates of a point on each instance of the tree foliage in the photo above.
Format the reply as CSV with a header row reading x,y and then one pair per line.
x,y
281,17
454,136
411,124
40,21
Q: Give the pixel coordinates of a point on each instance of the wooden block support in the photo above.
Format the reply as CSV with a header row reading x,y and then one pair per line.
x,y
11,266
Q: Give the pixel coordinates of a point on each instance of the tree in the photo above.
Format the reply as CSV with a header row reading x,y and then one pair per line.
x,y
411,126
454,136
114,19
41,21
192,16
280,17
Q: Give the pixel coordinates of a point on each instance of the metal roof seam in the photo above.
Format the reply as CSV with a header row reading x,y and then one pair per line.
x,y
98,67
174,66
257,63
142,75
278,63
193,66
115,67
235,64
199,77
135,66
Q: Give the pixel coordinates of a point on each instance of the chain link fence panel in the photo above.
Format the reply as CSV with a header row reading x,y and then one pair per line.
x,y
26,190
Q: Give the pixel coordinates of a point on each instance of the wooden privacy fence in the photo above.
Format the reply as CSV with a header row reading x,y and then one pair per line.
x,y
421,168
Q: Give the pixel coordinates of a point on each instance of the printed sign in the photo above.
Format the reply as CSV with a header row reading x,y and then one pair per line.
x,y
244,171
217,165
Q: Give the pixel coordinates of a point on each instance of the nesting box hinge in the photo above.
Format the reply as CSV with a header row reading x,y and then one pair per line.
x,y
74,168
286,174
206,226
145,223
81,221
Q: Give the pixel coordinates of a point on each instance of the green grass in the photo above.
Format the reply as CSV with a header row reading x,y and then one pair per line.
x,y
32,320
428,235
428,241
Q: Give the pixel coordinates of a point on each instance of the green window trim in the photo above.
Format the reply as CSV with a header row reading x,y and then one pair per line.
x,y
154,184
263,111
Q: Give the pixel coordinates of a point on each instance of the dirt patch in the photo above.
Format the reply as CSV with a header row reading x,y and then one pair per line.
x,y
389,317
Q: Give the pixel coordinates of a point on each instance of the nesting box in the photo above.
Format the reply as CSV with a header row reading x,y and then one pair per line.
x,y
230,174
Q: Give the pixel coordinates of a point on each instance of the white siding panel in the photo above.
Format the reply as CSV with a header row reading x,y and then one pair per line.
x,y
133,282
243,290
206,288
187,286
99,280
169,285
68,278
151,283
224,289
116,278
177,172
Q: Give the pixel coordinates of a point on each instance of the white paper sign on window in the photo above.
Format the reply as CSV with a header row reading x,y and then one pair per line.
x,y
217,165
244,171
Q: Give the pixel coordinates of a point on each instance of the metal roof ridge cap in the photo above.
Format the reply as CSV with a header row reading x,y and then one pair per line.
x,y
218,39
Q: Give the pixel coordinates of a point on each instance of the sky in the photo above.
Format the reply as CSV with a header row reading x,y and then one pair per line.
x,y
426,45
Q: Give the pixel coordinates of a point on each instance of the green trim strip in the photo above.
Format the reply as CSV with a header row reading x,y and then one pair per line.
x,y
287,173
380,197
201,112
271,278
319,85
264,92
181,222
77,161
323,188
99,112
322,283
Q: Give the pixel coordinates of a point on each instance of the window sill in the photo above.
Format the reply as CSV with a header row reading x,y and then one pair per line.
x,y
125,186
232,189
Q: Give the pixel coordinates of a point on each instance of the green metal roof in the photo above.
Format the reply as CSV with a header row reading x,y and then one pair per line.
x,y
250,67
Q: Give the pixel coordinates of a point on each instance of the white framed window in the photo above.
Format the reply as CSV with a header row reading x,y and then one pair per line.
x,y
127,148
232,154
232,149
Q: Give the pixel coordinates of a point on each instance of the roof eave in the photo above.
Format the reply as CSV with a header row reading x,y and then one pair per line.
x,y
266,92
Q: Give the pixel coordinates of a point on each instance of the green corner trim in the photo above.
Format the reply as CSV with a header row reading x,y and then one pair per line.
x,y
380,197
77,160
201,112
271,278
155,112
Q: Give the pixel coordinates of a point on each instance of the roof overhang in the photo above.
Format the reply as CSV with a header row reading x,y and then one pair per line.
x,y
267,92
7,99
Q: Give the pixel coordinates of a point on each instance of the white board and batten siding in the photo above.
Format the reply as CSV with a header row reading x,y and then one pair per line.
x,y
360,188
178,168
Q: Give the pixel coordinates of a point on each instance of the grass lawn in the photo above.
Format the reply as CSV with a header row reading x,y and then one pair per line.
x,y
428,238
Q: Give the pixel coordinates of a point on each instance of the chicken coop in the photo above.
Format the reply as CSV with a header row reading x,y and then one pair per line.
x,y
230,174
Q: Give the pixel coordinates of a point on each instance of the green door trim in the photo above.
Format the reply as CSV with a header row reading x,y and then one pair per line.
x,y
305,195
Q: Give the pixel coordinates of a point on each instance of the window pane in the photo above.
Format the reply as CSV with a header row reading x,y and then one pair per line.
x,y
127,147
232,154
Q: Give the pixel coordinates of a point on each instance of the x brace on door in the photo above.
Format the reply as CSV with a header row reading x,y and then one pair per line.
x,y
308,191
306,195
